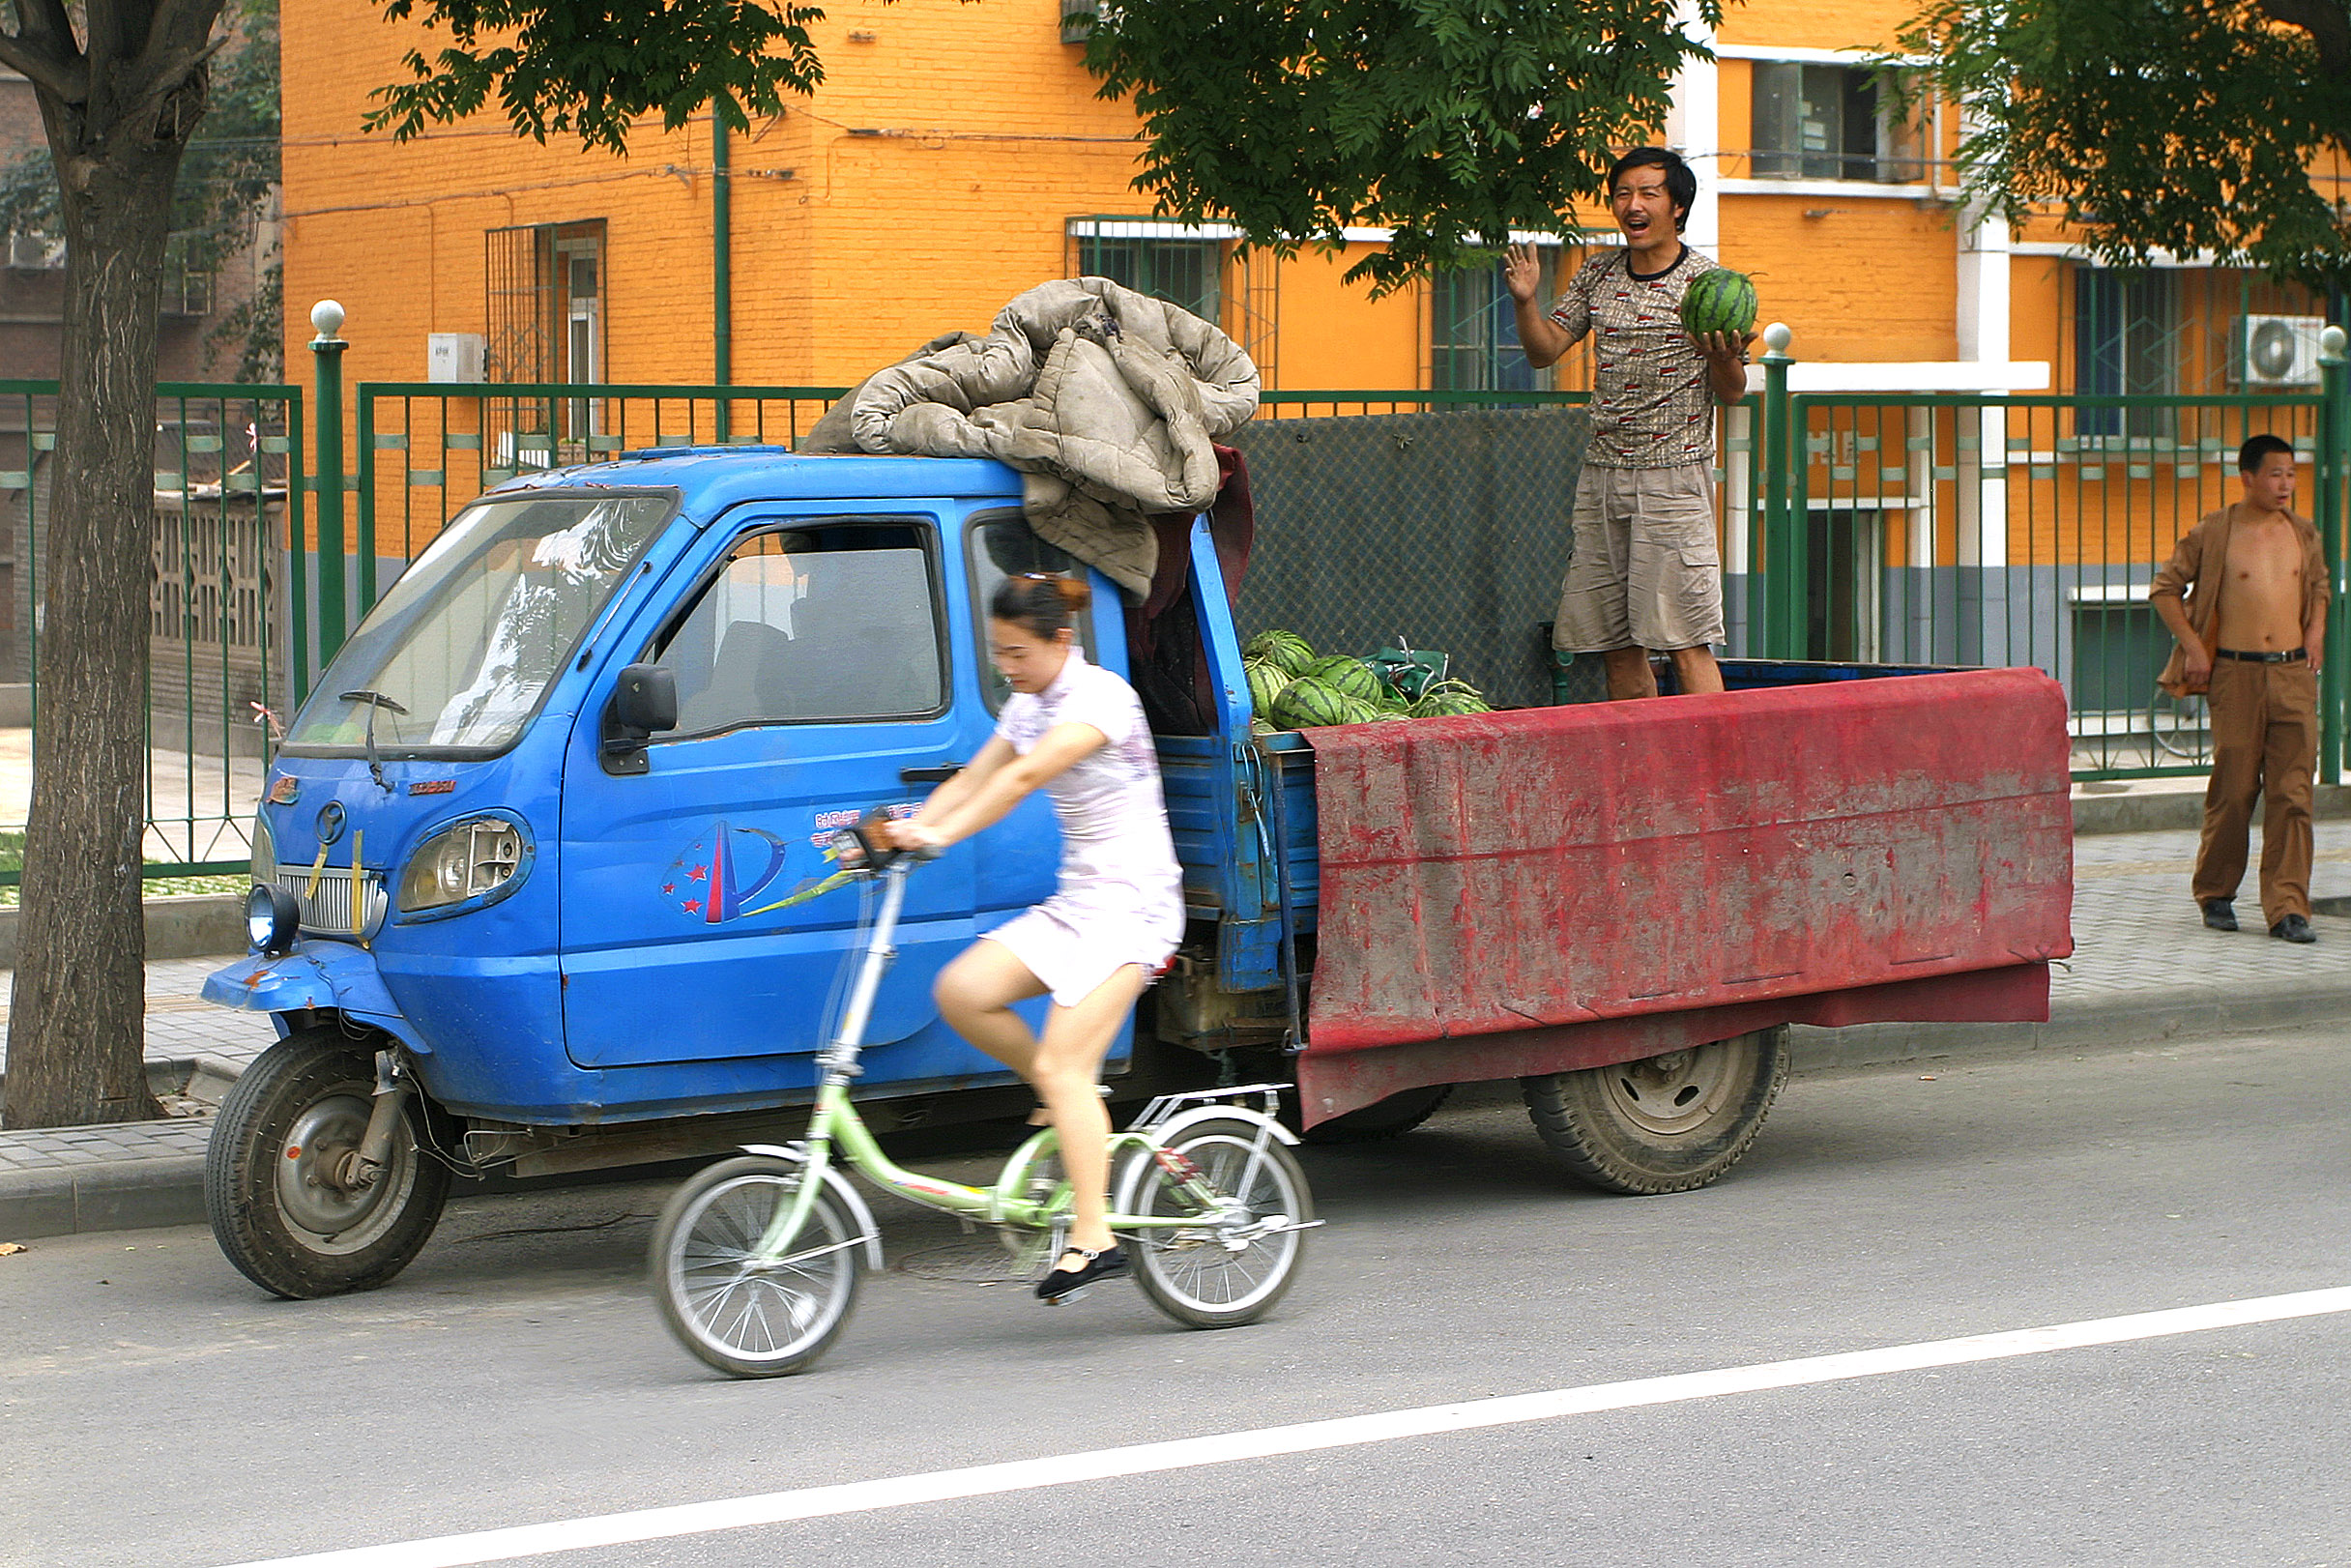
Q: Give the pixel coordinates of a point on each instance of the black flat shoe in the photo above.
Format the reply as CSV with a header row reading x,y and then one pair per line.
x,y
2293,928
2221,914
1110,1264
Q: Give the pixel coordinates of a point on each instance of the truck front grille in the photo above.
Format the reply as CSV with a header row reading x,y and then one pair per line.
x,y
333,904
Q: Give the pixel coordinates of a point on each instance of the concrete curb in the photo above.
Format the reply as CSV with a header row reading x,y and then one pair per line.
x,y
133,1194
184,925
2202,1011
112,1195
2156,811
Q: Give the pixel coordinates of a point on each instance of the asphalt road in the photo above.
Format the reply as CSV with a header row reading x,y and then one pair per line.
x,y
156,1409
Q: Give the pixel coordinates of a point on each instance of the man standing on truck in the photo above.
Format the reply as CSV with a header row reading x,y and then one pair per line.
x,y
2255,575
1646,573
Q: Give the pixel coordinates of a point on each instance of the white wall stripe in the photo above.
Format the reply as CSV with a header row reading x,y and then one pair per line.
x,y
1143,1459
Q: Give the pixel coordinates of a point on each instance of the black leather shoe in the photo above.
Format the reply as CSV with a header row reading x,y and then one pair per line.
x,y
2221,914
1110,1264
2293,928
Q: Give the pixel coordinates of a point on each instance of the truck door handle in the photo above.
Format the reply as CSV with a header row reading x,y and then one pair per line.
x,y
929,776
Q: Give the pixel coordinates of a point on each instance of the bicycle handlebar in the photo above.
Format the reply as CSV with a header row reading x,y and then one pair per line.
x,y
861,848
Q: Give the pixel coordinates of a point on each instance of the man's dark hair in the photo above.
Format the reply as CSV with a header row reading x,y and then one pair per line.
x,y
2256,452
1681,185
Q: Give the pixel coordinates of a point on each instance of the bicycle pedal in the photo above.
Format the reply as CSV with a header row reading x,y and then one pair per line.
x,y
1072,1298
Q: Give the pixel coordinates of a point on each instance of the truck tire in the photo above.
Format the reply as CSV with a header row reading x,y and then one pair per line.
x,y
1391,1117
268,1187
1666,1124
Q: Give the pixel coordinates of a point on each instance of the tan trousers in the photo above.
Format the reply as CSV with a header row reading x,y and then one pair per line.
x,y
2264,748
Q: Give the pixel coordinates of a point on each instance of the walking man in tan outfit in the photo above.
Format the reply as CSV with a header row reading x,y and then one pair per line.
x,y
2253,633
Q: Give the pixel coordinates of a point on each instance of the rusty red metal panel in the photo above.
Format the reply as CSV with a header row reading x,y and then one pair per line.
x,y
1555,866
1332,1084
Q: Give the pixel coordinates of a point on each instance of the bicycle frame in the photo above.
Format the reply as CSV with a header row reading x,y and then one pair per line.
x,y
835,1122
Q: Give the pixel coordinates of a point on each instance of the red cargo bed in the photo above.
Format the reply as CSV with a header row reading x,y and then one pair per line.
x,y
1561,887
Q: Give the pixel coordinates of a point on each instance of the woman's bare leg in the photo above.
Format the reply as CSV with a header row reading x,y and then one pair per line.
x,y
1066,1070
976,994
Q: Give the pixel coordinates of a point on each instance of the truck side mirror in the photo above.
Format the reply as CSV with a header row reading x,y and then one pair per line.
x,y
643,704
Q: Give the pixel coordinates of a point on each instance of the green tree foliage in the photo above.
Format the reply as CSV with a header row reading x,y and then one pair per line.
x,y
2176,125
592,66
1451,122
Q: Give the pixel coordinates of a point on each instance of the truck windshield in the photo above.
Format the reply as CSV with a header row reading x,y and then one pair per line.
x,y
457,653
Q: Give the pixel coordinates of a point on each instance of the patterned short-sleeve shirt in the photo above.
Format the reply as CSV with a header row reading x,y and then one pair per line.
x,y
1651,407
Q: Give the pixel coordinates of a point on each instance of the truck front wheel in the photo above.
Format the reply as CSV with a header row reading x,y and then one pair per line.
x,y
1664,1124
285,1202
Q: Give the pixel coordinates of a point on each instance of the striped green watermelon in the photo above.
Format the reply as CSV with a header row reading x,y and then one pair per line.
x,y
1351,675
1720,301
1285,650
1307,702
1265,683
1449,698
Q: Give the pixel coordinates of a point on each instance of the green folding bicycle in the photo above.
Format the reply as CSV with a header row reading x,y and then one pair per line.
x,y
755,1261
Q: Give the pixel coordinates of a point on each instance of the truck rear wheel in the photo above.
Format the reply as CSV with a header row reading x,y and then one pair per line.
x,y
1664,1124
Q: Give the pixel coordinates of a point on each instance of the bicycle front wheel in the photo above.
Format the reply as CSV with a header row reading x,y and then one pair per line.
x,y
746,1315
1249,1240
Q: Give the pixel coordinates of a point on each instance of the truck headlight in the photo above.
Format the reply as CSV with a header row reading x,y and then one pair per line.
x,y
466,860
272,920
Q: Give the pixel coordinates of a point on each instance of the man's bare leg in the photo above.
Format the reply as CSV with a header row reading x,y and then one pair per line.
x,y
1629,675
1696,670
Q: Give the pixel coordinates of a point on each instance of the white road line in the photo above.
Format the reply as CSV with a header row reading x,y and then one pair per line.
x,y
1307,1437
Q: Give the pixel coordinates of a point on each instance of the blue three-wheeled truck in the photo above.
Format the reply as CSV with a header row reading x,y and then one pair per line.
x,y
545,874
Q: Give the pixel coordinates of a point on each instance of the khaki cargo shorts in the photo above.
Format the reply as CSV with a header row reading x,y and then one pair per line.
x,y
1646,571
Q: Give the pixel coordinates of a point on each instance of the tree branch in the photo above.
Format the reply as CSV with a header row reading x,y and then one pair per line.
x,y
2325,21
44,22
59,78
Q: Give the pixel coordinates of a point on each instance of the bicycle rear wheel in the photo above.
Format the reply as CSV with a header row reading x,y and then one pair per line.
x,y
747,1316
1245,1252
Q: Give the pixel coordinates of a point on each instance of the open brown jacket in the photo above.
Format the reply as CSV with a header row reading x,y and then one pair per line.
x,y
2198,561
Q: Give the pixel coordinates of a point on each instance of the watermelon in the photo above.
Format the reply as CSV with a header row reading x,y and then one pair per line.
x,y
1265,683
1287,650
1307,702
1351,675
1720,301
1449,698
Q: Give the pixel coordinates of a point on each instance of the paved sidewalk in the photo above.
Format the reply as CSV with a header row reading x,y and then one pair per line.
x,y
2144,967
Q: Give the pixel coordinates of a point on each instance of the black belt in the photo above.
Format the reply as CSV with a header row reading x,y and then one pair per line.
x,y
2281,655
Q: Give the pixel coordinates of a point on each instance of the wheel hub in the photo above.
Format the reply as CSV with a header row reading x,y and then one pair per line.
x,y
1674,1093
317,1164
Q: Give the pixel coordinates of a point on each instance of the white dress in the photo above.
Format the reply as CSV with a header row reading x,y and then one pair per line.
x,y
1120,899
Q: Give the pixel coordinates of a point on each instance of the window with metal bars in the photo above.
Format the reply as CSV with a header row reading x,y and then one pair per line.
x,y
1183,272
1473,329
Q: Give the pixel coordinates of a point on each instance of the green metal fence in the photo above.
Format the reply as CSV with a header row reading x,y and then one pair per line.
x,y
2015,528
1904,528
227,510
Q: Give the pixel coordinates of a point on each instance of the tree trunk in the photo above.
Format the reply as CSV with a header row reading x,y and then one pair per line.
x,y
76,1023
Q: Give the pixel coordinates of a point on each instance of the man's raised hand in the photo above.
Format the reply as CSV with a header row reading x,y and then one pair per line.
x,y
1521,273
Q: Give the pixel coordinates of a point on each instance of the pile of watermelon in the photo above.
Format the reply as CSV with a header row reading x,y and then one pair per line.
x,y
1291,687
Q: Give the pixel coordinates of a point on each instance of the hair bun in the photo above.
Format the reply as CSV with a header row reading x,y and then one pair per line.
x,y
1074,593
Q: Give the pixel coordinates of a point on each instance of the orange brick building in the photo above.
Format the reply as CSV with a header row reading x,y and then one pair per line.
x,y
957,154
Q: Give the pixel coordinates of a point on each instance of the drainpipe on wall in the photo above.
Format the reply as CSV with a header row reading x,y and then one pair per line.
x,y
722,267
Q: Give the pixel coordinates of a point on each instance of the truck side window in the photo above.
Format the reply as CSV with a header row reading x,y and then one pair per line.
x,y
1001,545
827,621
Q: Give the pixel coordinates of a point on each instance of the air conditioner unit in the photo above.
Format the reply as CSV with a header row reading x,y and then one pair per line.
x,y
2277,351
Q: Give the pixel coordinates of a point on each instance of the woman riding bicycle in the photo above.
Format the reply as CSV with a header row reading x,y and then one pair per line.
x,y
1075,731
